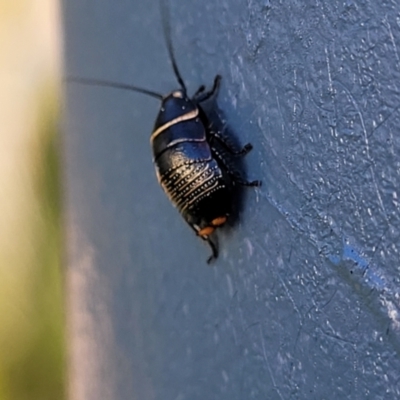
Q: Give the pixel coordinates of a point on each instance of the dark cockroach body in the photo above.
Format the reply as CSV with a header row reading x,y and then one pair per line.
x,y
195,175
186,166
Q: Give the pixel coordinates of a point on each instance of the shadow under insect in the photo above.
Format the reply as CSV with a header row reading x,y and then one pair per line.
x,y
230,153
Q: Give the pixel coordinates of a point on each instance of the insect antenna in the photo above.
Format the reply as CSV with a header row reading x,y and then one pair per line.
x,y
167,34
117,85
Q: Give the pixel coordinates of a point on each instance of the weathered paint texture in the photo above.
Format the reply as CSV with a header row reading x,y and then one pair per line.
x,y
304,301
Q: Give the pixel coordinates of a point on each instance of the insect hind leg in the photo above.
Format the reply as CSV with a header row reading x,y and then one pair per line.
x,y
213,245
214,249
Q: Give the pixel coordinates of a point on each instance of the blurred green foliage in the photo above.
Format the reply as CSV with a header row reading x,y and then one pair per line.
x,y
32,320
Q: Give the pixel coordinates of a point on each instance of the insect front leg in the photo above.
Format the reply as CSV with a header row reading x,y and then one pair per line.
x,y
199,91
200,96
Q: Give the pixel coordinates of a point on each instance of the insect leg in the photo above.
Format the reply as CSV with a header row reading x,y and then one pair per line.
x,y
213,246
200,97
214,250
229,145
232,172
199,91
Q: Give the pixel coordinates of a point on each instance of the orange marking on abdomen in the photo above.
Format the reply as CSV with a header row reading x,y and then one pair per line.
x,y
208,230
218,221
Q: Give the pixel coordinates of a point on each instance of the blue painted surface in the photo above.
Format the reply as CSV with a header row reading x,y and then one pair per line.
x,y
304,300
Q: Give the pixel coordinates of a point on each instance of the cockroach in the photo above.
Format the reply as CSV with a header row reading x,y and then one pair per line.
x,y
196,176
